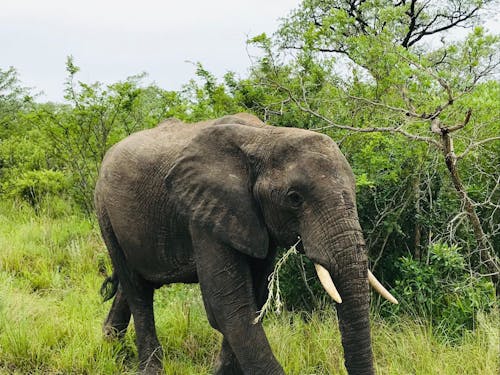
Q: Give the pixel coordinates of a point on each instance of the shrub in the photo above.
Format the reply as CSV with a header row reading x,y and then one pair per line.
x,y
299,285
33,186
442,290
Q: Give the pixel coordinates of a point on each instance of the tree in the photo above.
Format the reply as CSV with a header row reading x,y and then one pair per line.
x,y
13,99
330,26
355,69
97,116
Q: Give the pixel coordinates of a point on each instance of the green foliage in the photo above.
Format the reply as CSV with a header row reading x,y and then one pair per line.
x,y
23,152
13,99
442,291
32,186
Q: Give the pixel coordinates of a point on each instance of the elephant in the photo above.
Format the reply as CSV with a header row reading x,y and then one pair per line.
x,y
210,203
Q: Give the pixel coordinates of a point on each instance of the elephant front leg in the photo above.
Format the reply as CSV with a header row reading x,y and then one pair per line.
x,y
227,363
228,294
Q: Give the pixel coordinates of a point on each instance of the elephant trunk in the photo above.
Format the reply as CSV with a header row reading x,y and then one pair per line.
x,y
338,247
353,314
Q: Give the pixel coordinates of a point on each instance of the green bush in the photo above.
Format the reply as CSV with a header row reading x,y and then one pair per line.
x,y
442,290
299,285
33,186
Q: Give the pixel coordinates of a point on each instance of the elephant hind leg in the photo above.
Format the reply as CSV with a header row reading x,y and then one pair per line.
x,y
134,297
140,299
118,318
115,325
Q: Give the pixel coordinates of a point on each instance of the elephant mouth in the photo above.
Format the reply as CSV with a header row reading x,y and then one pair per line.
x,y
300,247
326,281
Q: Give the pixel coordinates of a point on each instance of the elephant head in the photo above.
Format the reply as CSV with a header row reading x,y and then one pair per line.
x,y
261,185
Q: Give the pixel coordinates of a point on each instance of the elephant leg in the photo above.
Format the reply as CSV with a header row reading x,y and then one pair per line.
x,y
140,300
134,296
227,363
118,318
228,294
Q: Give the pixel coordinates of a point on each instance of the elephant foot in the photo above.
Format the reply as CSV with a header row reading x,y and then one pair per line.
x,y
111,333
153,364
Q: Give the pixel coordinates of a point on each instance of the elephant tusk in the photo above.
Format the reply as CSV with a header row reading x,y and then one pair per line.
x,y
380,288
327,282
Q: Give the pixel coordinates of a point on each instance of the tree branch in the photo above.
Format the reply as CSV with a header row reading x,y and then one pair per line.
x,y
406,112
397,130
460,126
411,27
474,145
453,21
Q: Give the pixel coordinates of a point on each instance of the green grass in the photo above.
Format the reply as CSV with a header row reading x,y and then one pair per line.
x,y
51,315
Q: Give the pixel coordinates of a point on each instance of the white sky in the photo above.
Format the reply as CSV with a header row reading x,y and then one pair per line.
x,y
113,39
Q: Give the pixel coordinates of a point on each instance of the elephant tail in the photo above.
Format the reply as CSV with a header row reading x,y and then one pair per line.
x,y
109,287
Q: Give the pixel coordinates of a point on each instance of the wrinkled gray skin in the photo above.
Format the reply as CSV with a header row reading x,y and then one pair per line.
x,y
209,203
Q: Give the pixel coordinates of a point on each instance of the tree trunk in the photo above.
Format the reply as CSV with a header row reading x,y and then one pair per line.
x,y
418,232
486,253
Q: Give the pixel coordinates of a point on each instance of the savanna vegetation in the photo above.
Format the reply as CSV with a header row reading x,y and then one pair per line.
x,y
414,107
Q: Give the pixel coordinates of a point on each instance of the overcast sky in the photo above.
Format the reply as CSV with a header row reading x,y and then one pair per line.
x,y
113,39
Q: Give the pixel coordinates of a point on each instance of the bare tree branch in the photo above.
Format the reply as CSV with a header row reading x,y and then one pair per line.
x,y
406,112
474,145
462,125
453,21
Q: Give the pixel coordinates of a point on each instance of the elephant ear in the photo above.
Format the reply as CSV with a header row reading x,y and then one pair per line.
x,y
211,183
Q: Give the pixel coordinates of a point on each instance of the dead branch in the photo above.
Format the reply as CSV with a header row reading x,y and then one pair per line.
x,y
485,248
331,124
406,112
474,145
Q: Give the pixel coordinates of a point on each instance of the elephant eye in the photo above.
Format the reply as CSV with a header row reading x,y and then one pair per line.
x,y
294,198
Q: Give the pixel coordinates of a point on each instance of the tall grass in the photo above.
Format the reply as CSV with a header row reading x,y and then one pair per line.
x,y
51,266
